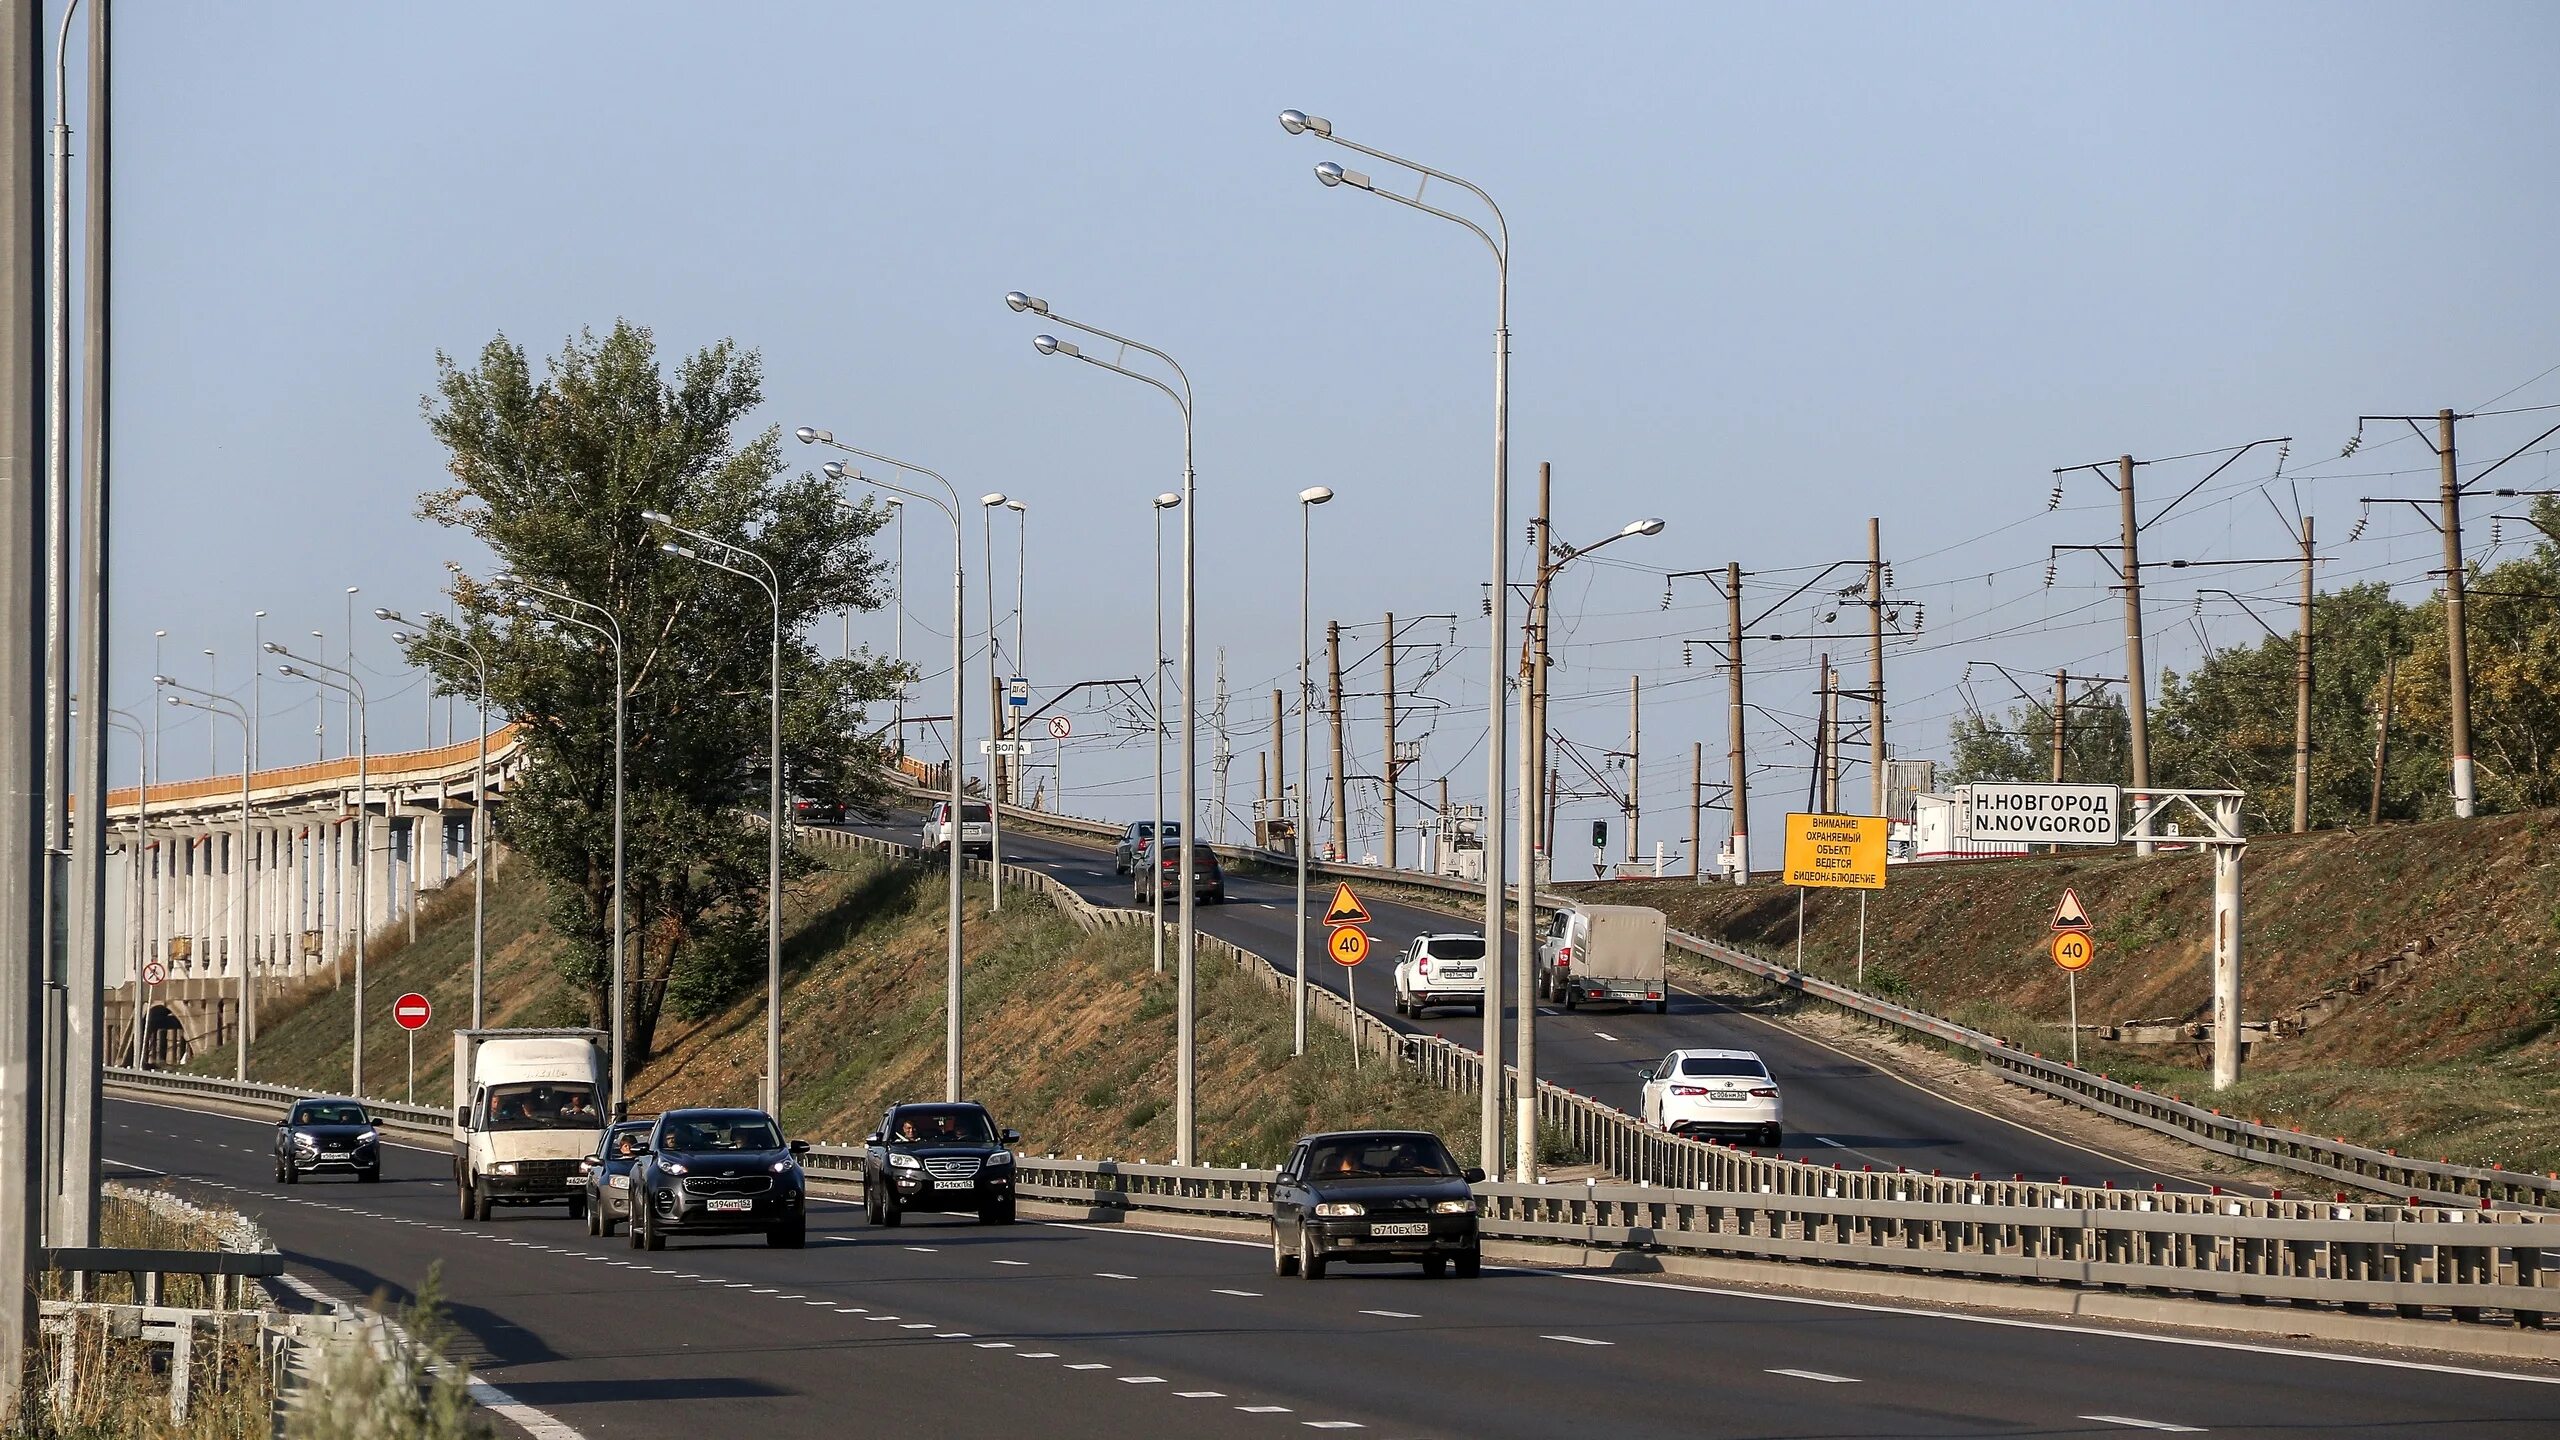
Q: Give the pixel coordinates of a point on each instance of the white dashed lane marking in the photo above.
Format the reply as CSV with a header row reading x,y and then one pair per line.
x,y
1577,1340
1246,1294
1818,1375
2139,1424
1393,1314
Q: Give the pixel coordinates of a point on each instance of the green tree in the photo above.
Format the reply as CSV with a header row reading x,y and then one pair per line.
x,y
552,472
2097,739
2228,724
2512,634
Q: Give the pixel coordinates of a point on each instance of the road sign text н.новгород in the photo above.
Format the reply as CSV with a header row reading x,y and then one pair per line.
x,y
2044,814
1835,852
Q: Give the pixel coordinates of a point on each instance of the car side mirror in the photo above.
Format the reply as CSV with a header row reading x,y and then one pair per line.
x,y
1013,1137
799,1147
1645,1074
462,1116
1474,1175
871,1139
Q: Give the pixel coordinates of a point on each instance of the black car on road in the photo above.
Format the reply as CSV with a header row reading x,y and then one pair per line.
x,y
322,1134
607,1174
1133,843
812,810
949,1158
1208,882
718,1172
1372,1196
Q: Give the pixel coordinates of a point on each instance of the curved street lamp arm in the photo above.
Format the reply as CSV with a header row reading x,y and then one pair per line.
x,y
612,624
734,570
1183,400
828,439
876,483
1502,251
276,648
772,580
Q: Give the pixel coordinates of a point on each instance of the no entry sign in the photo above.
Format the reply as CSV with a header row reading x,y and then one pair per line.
x,y
412,1010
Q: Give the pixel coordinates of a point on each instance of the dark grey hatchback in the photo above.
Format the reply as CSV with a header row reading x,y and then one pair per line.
x,y
317,1135
1374,1196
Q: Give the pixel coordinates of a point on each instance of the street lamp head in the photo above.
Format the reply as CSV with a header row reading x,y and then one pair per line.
x,y
394,616
893,502
1052,345
1650,525
1299,122
290,670
656,517
833,470
402,637
159,681
1315,495
811,435
1020,302
1332,174
673,548
1168,499
1015,506
992,500
352,589
273,648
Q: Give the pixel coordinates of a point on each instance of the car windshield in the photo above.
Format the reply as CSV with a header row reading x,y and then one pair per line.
x,y
544,1105
626,1141
1722,1065
328,1115
941,1125
1455,947
1370,1156
720,1132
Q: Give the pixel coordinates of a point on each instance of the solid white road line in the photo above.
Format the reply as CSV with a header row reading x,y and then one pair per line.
x,y
1818,1375
2128,1420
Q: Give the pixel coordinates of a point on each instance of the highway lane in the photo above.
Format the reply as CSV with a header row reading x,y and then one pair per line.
x,y
1840,1109
1069,1330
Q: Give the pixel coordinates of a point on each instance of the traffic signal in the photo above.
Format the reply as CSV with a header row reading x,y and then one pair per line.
x,y
1599,834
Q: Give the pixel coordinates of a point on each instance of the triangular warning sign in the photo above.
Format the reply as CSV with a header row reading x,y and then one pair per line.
x,y
2069,915
1346,908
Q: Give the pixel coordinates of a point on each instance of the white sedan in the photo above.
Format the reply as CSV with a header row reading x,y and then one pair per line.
x,y
1715,1092
1440,970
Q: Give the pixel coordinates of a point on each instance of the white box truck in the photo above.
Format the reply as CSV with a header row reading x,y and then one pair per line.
x,y
1602,955
528,1105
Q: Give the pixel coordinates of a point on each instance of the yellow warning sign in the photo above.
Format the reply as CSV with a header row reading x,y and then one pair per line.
x,y
2070,914
1348,945
1836,852
2073,949
1346,908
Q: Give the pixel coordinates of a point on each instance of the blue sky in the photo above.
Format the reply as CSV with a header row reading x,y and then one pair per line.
x,y
1777,269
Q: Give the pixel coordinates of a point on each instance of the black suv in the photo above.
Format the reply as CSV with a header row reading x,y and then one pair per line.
x,y
317,1135
718,1172
1366,1196
943,1157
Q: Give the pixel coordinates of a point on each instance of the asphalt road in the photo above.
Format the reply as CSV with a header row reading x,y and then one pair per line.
x,y
1065,1331
1839,1108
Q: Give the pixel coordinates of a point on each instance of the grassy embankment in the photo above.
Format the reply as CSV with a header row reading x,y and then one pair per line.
x,y
2455,1054
1070,1036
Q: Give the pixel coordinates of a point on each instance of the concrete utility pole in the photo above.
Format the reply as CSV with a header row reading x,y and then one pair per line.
x,y
1333,690
1534,660
2061,726
1876,752
2302,695
2382,737
23,863
2136,685
2457,648
1635,761
1736,755
1697,787
82,1169
1389,762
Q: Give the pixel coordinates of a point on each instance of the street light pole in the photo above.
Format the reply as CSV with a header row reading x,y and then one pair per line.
x,y
775,820
348,685
949,504
1021,555
229,709
470,655
1185,977
1155,833
898,637
1308,500
995,718
1498,240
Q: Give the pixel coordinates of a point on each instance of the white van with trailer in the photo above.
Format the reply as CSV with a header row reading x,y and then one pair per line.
x,y
1603,955
528,1107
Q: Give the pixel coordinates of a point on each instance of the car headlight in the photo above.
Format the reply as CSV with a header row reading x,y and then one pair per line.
x,y
781,1167
1340,1209
506,1167
1001,1157
672,1167
904,1162
367,1137
1454,1207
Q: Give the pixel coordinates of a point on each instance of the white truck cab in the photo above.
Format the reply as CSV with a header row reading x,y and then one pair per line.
x,y
528,1106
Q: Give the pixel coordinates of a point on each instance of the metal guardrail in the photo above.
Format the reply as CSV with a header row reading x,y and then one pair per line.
x,y
276,1098
2334,1159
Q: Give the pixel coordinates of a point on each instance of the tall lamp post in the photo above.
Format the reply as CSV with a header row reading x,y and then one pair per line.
x,y
948,502
775,818
1021,562
1498,240
466,653
898,631
1155,832
345,683
230,709
132,725
1185,978
1308,500
995,717
1533,762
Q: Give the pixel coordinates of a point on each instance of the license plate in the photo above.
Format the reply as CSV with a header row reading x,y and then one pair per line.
x,y
335,1155
731,1205
1728,1097
1460,972
953,1184
1400,1230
